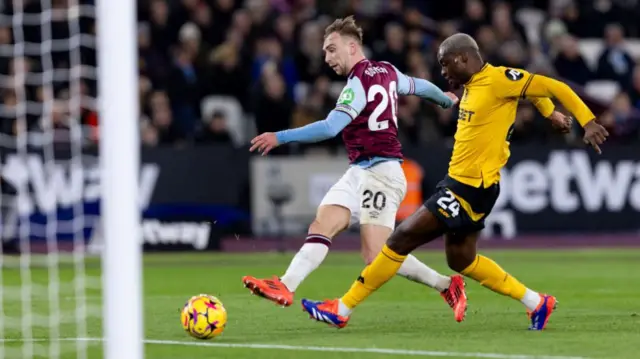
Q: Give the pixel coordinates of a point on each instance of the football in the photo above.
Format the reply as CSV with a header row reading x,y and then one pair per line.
x,y
203,317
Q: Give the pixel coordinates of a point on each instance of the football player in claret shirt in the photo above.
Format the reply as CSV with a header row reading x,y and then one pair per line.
x,y
374,185
467,194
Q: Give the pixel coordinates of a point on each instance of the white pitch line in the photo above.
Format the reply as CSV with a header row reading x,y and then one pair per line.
x,y
420,353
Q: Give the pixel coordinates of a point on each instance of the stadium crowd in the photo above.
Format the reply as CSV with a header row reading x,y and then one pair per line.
x,y
266,56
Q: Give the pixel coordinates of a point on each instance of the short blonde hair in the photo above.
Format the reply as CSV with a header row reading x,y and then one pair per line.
x,y
345,27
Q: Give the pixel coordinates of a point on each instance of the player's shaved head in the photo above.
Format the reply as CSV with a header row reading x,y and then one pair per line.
x,y
457,44
459,56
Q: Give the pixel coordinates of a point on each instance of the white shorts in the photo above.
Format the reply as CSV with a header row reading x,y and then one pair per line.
x,y
373,195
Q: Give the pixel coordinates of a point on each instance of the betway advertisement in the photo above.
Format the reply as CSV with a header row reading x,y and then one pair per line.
x,y
57,199
558,190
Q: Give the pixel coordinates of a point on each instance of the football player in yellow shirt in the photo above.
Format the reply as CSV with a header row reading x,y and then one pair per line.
x,y
469,191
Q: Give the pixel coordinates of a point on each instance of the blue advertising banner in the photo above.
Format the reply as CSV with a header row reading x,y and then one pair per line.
x,y
188,198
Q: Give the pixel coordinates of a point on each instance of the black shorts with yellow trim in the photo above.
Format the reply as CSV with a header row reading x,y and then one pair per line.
x,y
462,208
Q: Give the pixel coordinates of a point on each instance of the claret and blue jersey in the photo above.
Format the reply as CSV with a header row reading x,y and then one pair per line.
x,y
366,113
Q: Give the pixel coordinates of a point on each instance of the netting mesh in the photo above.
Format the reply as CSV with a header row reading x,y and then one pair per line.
x,y
50,179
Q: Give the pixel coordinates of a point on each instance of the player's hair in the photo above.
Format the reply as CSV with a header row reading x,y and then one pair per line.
x,y
459,43
345,27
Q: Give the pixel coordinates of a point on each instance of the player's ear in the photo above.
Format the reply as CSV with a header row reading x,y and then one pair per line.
x,y
353,47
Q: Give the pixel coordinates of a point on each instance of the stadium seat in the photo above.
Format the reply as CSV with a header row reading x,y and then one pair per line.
x,y
604,90
532,20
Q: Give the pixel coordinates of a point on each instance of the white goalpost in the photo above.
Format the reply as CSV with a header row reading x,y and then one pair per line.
x,y
64,181
120,158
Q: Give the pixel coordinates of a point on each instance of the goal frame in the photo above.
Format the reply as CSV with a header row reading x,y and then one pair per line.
x,y
119,163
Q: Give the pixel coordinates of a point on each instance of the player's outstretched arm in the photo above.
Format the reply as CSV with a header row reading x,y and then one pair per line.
x,y
424,89
522,84
313,132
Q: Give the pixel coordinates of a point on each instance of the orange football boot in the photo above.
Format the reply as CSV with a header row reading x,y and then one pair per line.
x,y
456,297
271,289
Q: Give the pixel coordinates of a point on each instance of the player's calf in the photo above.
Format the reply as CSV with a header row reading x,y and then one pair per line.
x,y
461,251
330,220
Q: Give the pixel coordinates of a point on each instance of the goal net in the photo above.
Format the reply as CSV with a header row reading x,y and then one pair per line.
x,y
54,181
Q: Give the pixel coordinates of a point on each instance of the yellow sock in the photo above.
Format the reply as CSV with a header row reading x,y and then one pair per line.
x,y
383,268
492,276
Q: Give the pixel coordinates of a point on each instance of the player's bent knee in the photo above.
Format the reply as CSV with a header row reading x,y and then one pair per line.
x,y
368,258
330,220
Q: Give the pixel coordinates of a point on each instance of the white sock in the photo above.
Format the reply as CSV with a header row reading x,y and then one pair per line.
x,y
417,271
307,259
343,310
531,299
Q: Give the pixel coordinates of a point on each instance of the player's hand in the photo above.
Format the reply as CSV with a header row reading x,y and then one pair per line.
x,y
264,143
561,122
595,135
453,97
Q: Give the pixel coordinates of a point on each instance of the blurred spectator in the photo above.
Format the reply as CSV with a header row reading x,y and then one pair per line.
x,y
474,18
570,64
622,120
7,115
203,18
152,62
505,27
214,130
615,63
634,92
392,12
576,24
272,107
310,58
394,49
149,135
487,42
269,50
5,39
316,105
162,34
161,117
285,30
184,90
224,74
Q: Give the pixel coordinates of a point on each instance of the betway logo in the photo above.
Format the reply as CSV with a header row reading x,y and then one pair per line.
x,y
568,182
155,232
63,184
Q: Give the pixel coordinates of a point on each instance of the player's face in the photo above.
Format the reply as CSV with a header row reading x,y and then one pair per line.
x,y
337,53
454,69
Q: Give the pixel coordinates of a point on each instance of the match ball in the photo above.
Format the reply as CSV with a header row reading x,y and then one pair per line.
x,y
203,317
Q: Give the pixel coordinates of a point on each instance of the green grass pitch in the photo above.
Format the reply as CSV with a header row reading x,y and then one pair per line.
x,y
598,314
